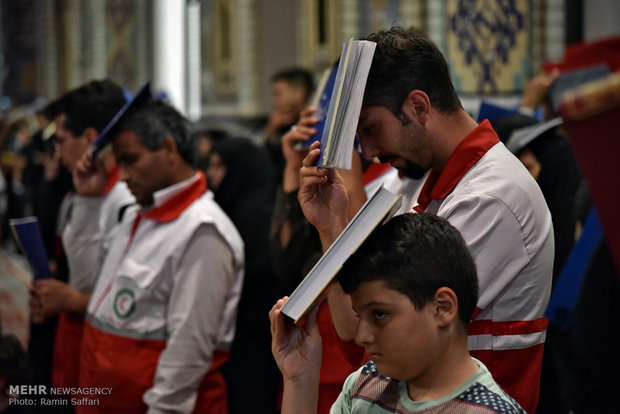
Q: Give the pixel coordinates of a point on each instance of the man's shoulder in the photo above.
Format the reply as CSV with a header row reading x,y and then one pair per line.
x,y
499,179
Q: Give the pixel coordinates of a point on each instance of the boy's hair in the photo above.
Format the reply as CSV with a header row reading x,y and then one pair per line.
x,y
416,254
405,60
91,105
296,77
155,120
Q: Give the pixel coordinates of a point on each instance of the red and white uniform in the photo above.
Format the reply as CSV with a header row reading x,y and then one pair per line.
x,y
84,242
378,174
489,196
162,315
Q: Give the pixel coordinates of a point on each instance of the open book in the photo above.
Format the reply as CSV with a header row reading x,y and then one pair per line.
x,y
338,132
379,207
28,236
521,137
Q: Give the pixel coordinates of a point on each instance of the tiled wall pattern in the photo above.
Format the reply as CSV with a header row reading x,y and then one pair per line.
x,y
493,46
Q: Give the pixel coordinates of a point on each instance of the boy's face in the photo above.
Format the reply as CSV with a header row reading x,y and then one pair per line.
x,y
407,148
401,340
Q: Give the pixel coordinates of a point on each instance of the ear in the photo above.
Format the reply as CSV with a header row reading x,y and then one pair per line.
x,y
170,145
91,134
417,105
446,306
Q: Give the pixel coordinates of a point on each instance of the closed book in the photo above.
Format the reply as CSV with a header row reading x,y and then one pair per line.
x,y
379,207
27,234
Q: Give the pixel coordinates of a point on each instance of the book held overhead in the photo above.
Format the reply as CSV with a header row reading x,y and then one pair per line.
x,y
345,103
379,208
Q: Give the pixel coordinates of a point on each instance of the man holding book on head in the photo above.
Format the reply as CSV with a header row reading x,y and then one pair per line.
x,y
412,118
81,114
162,315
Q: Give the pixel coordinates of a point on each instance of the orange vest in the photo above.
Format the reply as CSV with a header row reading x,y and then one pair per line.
x,y
66,366
128,366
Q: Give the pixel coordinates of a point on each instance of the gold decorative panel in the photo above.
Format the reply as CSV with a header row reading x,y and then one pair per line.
x,y
121,25
488,44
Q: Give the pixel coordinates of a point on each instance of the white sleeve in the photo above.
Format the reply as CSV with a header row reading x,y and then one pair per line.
x,y
201,289
81,239
495,240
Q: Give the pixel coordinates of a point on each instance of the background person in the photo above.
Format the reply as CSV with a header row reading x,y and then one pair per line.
x,y
161,319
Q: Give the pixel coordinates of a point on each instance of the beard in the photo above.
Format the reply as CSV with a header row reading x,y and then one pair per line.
x,y
412,170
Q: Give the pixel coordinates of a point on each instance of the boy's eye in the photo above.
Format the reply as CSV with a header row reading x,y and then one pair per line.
x,y
379,314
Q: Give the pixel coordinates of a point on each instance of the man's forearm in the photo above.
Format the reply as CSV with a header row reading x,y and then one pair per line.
x,y
78,302
341,311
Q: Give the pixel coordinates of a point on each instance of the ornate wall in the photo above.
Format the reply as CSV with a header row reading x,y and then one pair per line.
x,y
492,46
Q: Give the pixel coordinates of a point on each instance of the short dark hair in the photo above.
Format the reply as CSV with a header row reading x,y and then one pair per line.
x,y
155,120
405,60
416,254
91,105
298,77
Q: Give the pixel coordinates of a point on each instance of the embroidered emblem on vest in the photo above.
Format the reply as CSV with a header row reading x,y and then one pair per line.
x,y
124,303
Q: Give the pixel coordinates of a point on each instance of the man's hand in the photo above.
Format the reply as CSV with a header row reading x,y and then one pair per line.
x,y
303,131
323,197
90,177
49,297
279,119
536,92
36,308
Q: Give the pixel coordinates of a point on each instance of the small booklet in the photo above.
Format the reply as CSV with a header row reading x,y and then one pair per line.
x,y
345,104
379,208
28,236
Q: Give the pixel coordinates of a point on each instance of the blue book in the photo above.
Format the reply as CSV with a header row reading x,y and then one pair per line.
x,y
28,236
105,136
321,101
493,112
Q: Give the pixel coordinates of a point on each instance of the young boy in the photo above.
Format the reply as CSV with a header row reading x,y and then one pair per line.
x,y
413,285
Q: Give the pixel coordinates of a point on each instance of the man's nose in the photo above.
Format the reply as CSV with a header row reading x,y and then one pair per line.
x,y
369,150
123,174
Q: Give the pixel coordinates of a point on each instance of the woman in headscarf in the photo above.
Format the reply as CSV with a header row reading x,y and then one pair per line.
x,y
241,176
